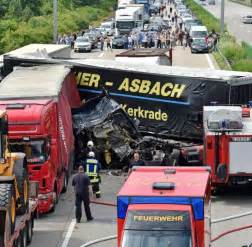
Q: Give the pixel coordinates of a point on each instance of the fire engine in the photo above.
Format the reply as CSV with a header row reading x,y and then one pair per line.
x,y
228,144
160,206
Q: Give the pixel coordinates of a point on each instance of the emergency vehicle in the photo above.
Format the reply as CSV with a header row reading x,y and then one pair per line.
x,y
38,102
160,206
228,144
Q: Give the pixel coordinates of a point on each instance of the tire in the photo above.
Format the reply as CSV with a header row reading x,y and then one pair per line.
x,y
22,240
66,178
24,237
55,200
29,232
8,214
18,242
23,186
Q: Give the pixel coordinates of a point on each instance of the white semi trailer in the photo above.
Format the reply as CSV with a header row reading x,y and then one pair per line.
x,y
129,18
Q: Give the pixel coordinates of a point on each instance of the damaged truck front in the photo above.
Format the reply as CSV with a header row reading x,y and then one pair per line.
x,y
103,120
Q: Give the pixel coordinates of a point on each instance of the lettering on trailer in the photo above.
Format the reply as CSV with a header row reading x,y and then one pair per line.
x,y
152,218
165,104
166,89
140,112
62,132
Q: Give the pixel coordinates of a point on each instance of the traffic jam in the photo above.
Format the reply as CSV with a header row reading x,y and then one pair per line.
x,y
174,140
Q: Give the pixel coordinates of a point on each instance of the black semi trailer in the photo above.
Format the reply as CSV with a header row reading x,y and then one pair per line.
x,y
167,101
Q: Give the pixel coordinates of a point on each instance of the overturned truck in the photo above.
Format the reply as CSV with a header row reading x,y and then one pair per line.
x,y
164,105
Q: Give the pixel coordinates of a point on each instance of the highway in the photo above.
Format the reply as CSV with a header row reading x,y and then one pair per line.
x,y
60,230
233,14
181,57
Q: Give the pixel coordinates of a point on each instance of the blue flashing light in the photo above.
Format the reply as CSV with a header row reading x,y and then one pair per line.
x,y
250,103
124,201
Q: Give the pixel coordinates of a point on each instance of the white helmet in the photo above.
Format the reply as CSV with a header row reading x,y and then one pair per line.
x,y
90,144
91,154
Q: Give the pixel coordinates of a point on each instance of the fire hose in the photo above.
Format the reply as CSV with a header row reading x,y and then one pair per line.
x,y
212,222
99,240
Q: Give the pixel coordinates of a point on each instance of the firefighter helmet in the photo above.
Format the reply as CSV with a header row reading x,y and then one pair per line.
x,y
91,154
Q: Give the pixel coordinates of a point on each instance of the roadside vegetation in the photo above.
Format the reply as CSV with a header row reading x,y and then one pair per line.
x,y
31,21
231,54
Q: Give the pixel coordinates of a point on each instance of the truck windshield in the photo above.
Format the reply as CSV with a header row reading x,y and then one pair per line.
x,y
138,238
34,150
151,228
125,24
199,34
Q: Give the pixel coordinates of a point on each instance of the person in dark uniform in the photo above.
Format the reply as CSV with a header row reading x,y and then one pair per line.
x,y
81,183
136,161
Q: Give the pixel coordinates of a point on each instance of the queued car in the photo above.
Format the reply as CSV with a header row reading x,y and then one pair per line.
x,y
92,38
198,32
200,46
153,10
247,19
190,23
211,2
82,44
109,27
118,42
96,33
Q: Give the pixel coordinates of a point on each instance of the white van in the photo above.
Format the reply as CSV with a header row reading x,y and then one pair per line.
x,y
109,27
197,32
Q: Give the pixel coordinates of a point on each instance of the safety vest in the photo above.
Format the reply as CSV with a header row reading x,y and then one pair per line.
x,y
91,170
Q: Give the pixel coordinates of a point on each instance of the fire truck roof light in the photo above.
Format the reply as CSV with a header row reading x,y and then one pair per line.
x,y
196,202
163,186
15,106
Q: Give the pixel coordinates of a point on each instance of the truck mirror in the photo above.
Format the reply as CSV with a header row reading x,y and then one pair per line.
x,y
4,126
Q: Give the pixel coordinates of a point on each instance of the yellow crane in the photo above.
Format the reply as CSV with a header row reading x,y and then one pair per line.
x,y
14,184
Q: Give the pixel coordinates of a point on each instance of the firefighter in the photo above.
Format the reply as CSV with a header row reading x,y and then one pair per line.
x,y
91,147
92,167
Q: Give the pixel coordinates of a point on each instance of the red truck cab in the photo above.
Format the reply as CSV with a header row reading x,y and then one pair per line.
x,y
40,125
160,206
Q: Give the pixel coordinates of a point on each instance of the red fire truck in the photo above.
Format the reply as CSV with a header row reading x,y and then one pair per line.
x,y
160,206
38,101
228,144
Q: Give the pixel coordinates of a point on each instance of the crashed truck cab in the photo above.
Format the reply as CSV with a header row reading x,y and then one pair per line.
x,y
160,206
228,144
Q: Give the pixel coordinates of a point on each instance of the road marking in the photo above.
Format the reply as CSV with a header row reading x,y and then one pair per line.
x,y
210,62
69,233
101,55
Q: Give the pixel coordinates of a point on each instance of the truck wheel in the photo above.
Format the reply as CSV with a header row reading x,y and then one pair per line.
x,y
66,178
29,228
24,237
23,186
7,213
20,240
55,199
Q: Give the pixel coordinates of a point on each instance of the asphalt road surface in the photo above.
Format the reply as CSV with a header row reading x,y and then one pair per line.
x,y
60,230
233,14
181,57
